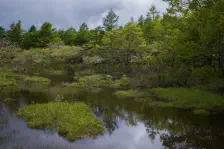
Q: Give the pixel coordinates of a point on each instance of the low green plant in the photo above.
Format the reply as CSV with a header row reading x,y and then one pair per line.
x,y
96,80
121,83
34,79
55,72
72,120
201,76
129,94
7,80
90,83
188,98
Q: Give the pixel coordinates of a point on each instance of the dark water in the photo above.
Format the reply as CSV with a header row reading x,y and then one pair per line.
x,y
129,124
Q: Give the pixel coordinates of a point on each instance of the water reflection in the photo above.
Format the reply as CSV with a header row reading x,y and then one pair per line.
x,y
129,125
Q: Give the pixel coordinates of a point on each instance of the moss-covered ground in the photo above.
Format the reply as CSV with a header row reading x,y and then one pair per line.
x,y
199,101
72,120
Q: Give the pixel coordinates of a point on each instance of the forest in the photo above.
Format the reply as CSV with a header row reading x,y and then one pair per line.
x,y
171,60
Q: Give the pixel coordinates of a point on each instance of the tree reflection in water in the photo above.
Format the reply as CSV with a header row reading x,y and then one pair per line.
x,y
174,127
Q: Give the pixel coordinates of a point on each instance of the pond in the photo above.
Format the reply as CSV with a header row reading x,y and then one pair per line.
x,y
129,124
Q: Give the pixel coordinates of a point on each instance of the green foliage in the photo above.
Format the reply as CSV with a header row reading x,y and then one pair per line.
x,y
83,35
92,60
32,29
96,80
189,98
46,61
72,120
216,85
133,37
110,21
69,36
182,48
55,72
15,32
45,35
34,79
153,13
96,36
2,33
129,94
141,21
130,37
203,75
90,83
124,82
29,40
7,80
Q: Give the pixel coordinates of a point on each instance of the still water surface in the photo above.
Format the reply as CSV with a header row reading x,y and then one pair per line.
x,y
129,125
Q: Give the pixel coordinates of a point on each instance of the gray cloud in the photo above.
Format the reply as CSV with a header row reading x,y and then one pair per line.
x,y
67,13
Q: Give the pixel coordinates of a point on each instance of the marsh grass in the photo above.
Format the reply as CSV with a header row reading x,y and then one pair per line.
x,y
130,93
35,79
72,120
55,72
123,82
4,82
199,100
12,80
201,111
91,83
97,82
7,80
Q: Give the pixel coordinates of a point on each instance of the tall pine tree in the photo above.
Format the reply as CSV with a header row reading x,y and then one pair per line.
x,y
110,21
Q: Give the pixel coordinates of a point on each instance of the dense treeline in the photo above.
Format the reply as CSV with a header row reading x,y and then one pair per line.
x,y
183,47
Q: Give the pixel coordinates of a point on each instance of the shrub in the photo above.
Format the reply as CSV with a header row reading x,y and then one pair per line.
x,y
92,82
124,82
202,75
34,79
7,80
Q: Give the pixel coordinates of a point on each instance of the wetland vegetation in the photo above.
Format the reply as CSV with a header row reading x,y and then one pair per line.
x,y
84,83
72,120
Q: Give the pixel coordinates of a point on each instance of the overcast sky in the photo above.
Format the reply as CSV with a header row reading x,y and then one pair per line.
x,y
67,13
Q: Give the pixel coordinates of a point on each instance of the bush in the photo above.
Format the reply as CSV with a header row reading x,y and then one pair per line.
x,y
34,79
124,82
90,83
216,85
201,76
7,80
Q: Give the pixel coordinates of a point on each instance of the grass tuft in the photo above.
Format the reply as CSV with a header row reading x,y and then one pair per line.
x,y
129,94
188,99
72,120
201,111
34,79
